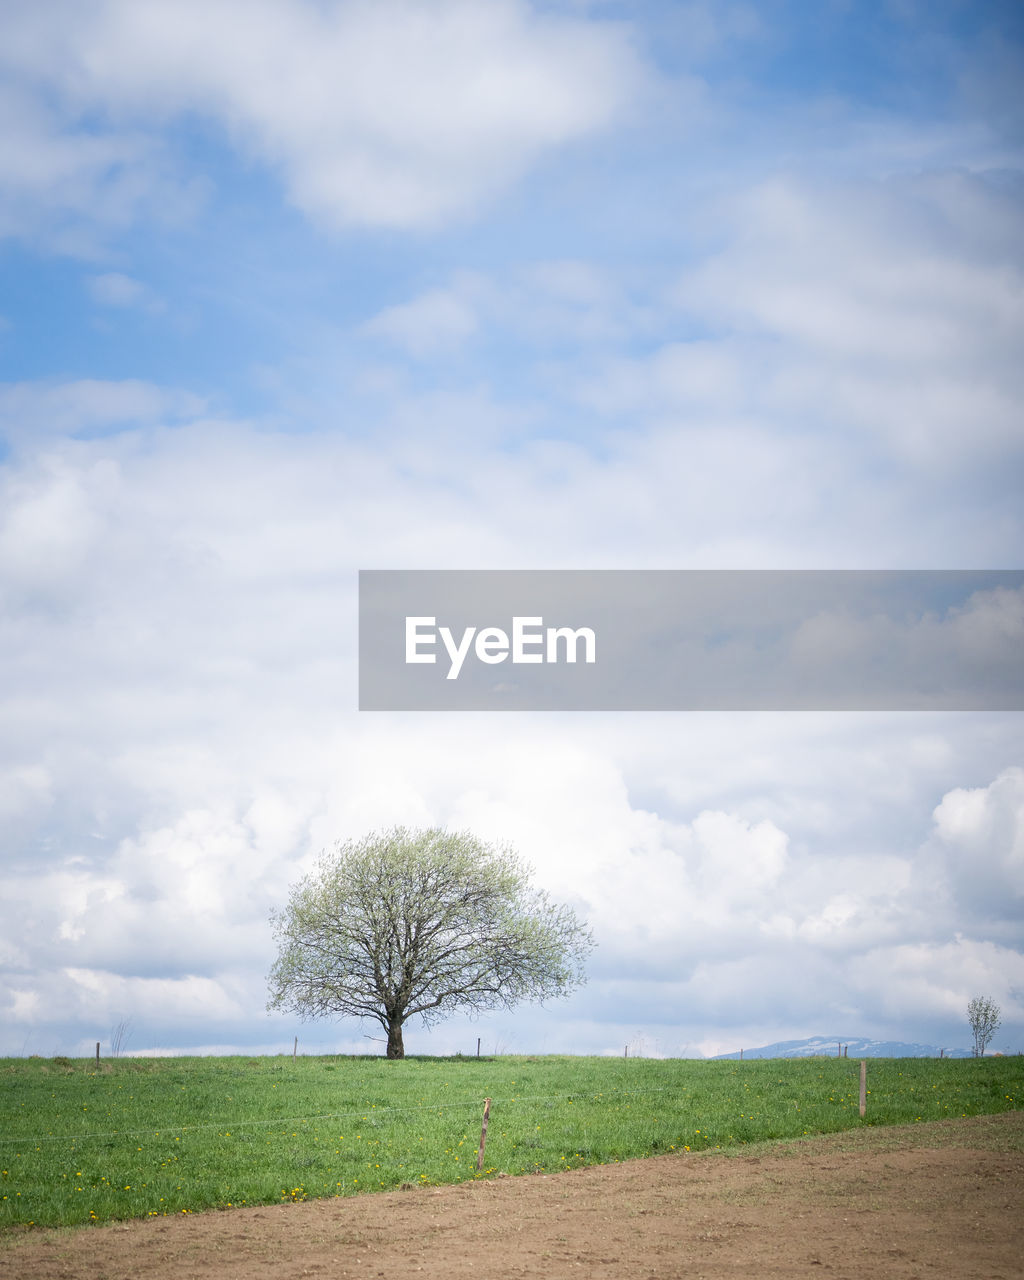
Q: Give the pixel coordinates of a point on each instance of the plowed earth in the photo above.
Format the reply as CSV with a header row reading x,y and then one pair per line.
x,y
926,1200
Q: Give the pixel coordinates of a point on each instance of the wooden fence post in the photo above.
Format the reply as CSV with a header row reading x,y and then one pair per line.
x,y
863,1086
295,1048
483,1135
97,1053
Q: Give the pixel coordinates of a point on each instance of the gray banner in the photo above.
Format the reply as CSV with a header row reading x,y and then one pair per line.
x,y
689,640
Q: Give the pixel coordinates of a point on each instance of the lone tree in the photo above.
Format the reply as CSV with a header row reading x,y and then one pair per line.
x,y
424,922
983,1015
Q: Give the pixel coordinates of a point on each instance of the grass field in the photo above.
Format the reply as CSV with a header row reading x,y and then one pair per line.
x,y
144,1137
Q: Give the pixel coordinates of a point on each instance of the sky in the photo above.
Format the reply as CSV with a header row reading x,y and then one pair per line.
x,y
291,289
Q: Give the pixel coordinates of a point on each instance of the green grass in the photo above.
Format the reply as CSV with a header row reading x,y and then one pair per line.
x,y
146,1137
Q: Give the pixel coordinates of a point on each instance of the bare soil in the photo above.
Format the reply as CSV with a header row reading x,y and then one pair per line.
x,y
925,1200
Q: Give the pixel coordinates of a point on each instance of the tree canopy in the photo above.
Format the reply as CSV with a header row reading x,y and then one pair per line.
x,y
426,923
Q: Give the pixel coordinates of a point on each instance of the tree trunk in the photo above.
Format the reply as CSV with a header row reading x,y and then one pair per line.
x,y
396,1049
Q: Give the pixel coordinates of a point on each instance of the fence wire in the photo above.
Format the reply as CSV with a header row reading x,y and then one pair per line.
x,y
7,1142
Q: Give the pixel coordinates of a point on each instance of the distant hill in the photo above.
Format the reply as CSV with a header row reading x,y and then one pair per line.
x,y
827,1046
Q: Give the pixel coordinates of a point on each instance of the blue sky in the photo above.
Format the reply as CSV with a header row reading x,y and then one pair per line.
x,y
293,289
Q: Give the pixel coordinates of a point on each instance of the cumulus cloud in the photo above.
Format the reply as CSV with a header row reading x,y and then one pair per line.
x,y
978,844
385,114
701,913
920,981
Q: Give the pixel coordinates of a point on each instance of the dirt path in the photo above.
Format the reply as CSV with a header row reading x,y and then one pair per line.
x,y
943,1199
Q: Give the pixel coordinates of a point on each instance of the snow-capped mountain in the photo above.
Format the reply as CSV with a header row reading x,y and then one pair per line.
x,y
829,1047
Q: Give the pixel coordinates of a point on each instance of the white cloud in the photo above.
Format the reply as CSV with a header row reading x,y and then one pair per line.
x,y
560,304
69,185
389,113
896,318
701,916
32,411
739,859
845,339
97,996
920,980
23,789
114,289
49,524
979,843
434,322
